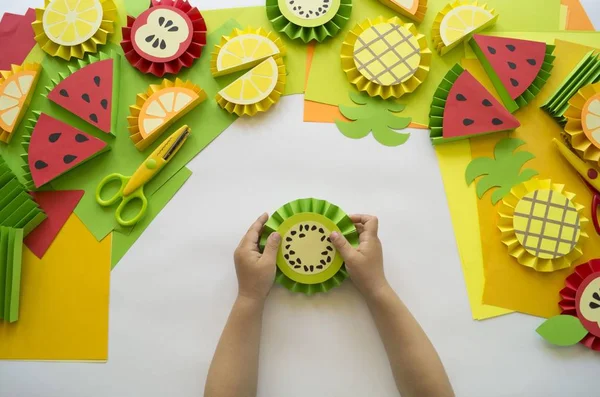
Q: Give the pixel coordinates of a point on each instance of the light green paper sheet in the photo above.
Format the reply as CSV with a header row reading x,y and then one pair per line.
x,y
123,240
327,83
563,330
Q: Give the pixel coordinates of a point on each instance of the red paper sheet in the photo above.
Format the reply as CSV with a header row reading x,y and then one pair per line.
x,y
16,38
58,206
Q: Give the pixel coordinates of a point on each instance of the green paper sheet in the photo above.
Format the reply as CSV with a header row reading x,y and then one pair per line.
x,y
563,330
327,83
123,240
3,271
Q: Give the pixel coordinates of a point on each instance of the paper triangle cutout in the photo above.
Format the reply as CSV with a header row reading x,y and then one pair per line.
x,y
87,93
56,147
471,110
16,38
58,206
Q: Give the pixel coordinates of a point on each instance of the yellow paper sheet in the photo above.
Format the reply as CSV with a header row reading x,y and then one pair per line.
x,y
64,301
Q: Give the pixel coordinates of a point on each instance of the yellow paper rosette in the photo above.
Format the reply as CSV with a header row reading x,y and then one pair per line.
x,y
582,131
385,57
256,91
67,28
458,21
541,225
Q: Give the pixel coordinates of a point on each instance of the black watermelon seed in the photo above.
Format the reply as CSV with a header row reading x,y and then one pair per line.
x,y
169,23
313,228
286,256
299,261
287,247
86,98
461,97
322,262
312,268
149,38
514,82
321,230
161,21
491,50
532,62
302,235
64,93
292,263
288,239
512,65
594,305
163,45
596,296
94,118
324,253
511,47
323,238
54,137
81,138
155,44
40,165
486,102
293,233
292,252
497,121
305,268
468,122
319,266
97,81
328,259
329,248
69,158
104,104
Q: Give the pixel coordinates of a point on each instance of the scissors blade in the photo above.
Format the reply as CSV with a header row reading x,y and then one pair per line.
x,y
177,144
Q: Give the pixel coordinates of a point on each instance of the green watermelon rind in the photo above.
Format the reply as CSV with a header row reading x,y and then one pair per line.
x,y
531,92
438,104
78,64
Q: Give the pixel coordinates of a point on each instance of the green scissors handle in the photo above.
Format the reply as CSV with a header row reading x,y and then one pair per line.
x,y
137,194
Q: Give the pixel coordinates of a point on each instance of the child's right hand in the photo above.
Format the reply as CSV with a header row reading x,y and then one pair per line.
x,y
365,263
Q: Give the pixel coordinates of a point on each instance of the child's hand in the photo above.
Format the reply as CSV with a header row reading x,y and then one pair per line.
x,y
256,271
365,264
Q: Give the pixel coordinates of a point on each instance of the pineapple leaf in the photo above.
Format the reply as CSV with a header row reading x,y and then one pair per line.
x,y
354,130
505,147
389,137
358,98
354,113
397,123
478,167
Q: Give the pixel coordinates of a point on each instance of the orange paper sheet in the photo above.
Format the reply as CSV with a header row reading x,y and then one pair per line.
x,y
577,17
64,301
507,283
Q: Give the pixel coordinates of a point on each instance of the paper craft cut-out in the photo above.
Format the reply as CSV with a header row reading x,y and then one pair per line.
x,y
307,262
582,130
562,330
11,250
541,225
158,108
385,57
585,73
58,206
463,108
244,49
413,9
16,90
54,148
517,68
374,115
309,20
256,91
67,29
17,208
459,20
165,38
88,91
503,171
17,38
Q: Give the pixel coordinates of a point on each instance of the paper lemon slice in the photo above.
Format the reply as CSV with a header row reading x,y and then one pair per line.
x,y
244,49
16,90
385,57
582,130
157,109
307,262
256,91
542,226
458,21
69,28
413,9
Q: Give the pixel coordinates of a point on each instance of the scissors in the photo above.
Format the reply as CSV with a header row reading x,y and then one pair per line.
x,y
132,187
589,174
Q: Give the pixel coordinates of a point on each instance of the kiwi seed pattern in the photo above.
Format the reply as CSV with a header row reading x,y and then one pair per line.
x,y
307,248
308,11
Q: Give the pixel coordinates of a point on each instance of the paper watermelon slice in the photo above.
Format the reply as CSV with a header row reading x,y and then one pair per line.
x,y
463,108
55,148
88,92
518,68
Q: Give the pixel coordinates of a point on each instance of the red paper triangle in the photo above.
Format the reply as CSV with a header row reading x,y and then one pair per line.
x,y
471,110
58,206
16,38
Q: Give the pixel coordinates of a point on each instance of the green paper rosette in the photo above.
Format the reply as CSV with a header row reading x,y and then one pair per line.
x,y
307,261
309,20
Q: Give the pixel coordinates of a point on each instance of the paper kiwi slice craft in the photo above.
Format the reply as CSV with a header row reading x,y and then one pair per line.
x,y
463,108
54,148
309,20
307,261
518,68
88,91
165,38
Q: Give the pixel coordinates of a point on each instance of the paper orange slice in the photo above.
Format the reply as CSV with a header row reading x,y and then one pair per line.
x,y
16,90
590,119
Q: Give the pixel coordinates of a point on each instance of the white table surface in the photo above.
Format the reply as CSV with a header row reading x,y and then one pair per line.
x,y
171,294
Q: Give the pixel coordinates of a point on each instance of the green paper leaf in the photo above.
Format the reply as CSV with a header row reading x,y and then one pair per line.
x,y
563,330
353,130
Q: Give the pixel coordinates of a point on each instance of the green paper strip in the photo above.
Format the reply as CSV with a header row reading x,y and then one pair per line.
x,y
563,330
3,271
438,104
15,255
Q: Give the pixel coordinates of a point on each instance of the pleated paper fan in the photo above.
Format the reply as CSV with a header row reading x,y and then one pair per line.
x,y
582,130
16,91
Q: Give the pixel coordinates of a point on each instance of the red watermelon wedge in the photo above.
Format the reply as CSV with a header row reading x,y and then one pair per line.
x,y
518,68
87,93
463,108
55,148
